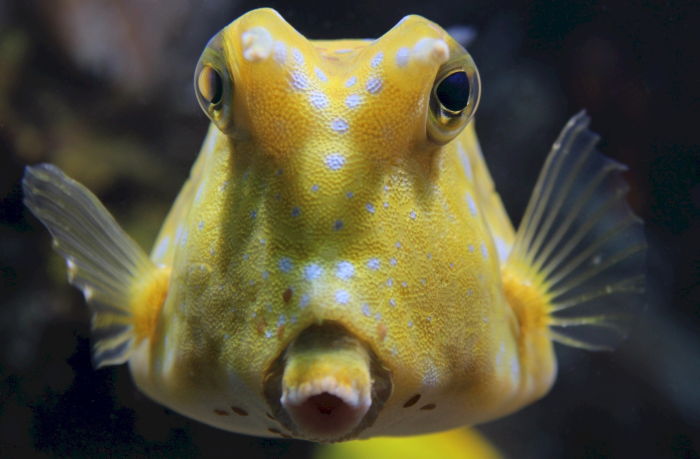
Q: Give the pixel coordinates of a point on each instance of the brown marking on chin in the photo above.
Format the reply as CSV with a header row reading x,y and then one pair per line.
x,y
412,401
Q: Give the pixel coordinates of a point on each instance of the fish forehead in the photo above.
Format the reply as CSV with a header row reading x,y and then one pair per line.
x,y
296,96
300,224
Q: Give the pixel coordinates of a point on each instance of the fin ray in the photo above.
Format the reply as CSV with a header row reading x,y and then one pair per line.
x,y
580,243
103,261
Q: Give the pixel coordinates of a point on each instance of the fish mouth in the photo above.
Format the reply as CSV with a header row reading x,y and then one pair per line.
x,y
327,385
325,408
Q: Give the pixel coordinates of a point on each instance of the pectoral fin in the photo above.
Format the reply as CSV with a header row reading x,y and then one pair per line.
x,y
577,265
124,289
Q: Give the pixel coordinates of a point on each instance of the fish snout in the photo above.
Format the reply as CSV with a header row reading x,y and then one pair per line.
x,y
327,385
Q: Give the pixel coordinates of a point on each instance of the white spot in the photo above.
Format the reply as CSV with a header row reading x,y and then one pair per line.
x,y
200,193
404,284
335,161
281,320
304,301
342,297
366,310
392,302
318,99
502,248
431,49
345,270
162,247
470,292
374,85
279,53
398,244
386,205
412,215
374,264
410,323
200,225
286,264
430,377
246,256
269,334
378,317
349,194
265,275
377,60
392,261
471,248
339,125
353,100
402,56
257,44
320,75
389,282
471,203
298,56
314,187
369,207
253,213
296,212
466,164
350,81
484,250
313,271
300,81
338,225
514,369
343,51
181,235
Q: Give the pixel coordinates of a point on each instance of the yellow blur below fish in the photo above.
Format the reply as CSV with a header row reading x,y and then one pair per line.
x,y
338,264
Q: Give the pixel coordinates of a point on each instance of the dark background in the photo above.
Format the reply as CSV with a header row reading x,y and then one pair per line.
x,y
103,89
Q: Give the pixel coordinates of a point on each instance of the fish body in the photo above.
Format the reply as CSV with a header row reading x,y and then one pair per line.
x,y
338,265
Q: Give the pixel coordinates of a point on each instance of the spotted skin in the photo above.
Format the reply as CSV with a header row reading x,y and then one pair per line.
x,y
330,190
340,223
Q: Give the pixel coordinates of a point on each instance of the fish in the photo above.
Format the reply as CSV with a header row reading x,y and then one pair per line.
x,y
339,264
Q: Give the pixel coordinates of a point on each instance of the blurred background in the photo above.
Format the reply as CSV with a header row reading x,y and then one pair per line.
x,y
104,90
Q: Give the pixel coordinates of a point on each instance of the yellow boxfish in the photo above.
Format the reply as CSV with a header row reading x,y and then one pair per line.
x,y
338,264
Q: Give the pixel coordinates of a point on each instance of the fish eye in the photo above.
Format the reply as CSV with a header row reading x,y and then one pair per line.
x,y
214,86
454,98
210,85
453,91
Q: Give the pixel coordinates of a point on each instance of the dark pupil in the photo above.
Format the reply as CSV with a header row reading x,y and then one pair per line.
x,y
453,91
211,86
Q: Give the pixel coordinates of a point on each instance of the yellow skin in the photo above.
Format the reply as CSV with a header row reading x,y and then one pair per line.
x,y
260,216
338,264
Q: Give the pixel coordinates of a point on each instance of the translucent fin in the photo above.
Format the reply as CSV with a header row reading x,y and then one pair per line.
x,y
103,261
581,242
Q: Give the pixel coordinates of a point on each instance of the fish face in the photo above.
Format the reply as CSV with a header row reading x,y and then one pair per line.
x,y
332,197
338,264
